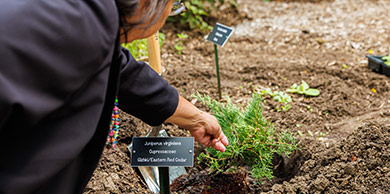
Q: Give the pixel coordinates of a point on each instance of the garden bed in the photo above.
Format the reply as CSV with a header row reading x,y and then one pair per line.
x,y
343,132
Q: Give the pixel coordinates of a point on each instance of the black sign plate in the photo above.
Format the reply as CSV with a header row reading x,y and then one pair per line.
x,y
220,34
162,151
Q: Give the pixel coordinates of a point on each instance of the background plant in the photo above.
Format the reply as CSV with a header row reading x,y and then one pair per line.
x,y
278,96
139,48
304,88
179,46
253,140
197,13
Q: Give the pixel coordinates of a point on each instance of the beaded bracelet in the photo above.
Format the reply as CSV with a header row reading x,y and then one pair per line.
x,y
112,137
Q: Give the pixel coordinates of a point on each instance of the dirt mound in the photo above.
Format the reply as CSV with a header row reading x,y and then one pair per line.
x,y
360,163
204,183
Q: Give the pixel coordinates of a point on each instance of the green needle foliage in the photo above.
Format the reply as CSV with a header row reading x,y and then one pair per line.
x,y
253,140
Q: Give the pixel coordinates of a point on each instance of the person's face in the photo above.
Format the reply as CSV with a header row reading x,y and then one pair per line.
x,y
139,32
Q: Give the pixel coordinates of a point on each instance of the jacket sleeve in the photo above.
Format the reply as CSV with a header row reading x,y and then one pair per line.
x,y
143,93
51,55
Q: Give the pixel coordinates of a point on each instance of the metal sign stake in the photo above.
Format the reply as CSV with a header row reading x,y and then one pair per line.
x,y
163,173
217,67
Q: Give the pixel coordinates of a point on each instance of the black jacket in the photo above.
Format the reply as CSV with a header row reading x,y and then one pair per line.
x,y
60,70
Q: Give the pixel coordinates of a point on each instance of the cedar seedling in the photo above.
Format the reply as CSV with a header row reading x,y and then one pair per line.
x,y
253,141
304,88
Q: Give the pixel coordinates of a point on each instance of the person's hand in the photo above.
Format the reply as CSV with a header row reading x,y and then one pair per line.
x,y
209,133
202,126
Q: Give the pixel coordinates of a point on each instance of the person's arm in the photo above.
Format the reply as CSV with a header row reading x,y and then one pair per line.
x,y
202,126
143,93
147,96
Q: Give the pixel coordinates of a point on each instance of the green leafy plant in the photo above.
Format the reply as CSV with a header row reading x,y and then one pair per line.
x,y
179,46
197,13
253,141
386,59
278,96
304,88
139,48
194,17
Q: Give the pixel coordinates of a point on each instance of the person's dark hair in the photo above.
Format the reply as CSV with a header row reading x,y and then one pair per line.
x,y
127,8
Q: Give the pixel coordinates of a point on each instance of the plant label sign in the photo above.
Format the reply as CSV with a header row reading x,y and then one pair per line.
x,y
220,34
162,151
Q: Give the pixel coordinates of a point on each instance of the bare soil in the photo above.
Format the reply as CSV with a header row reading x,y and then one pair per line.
x,y
344,132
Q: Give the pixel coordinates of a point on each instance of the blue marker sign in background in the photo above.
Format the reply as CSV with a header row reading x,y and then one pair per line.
x,y
220,34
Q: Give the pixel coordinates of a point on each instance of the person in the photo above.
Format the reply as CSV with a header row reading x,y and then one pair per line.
x,y
61,68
